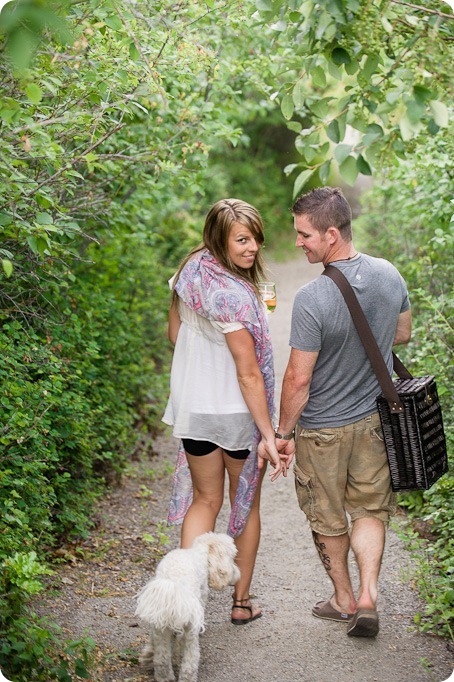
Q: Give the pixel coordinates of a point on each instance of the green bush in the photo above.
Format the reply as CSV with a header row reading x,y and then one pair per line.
x,y
78,388
407,219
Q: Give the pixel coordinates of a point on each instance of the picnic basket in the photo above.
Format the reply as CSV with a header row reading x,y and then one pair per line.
x,y
409,409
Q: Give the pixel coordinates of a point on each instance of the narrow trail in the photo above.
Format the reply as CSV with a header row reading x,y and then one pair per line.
x,y
287,644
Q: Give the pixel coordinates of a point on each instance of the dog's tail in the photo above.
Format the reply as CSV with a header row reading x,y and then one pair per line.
x,y
167,603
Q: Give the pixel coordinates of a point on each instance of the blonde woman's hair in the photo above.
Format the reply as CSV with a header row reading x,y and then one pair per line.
x,y
218,224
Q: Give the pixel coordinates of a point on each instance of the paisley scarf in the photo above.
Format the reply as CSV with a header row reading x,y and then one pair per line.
x,y
217,294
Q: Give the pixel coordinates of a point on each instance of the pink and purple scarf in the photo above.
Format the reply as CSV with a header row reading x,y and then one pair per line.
x,y
214,292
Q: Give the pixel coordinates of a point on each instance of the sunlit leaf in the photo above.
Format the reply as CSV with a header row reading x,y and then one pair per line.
x,y
324,171
342,151
440,113
301,180
318,76
291,167
7,267
386,25
44,219
278,26
287,106
349,170
299,93
34,93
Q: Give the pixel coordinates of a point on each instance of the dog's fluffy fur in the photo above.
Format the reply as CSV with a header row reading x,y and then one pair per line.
x,y
173,603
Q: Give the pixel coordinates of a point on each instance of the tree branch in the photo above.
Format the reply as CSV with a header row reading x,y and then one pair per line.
x,y
423,9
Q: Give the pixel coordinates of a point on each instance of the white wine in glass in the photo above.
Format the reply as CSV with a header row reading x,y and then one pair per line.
x,y
268,294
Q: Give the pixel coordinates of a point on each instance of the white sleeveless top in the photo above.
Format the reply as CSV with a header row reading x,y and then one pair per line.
x,y
205,400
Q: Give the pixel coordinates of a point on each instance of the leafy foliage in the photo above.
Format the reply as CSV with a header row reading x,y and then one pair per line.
x,y
367,93
408,215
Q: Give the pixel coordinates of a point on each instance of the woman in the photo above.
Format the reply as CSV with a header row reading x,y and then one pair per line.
x,y
222,387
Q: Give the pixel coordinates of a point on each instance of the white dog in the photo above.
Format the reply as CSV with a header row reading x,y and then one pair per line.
x,y
173,603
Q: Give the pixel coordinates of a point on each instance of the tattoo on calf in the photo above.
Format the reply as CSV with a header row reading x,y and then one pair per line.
x,y
321,547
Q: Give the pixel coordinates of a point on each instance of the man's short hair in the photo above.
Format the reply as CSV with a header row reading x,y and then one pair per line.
x,y
326,207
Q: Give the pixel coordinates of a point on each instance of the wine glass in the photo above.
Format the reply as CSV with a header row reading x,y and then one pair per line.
x,y
268,294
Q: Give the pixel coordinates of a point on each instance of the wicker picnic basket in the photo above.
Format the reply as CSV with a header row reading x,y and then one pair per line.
x,y
409,409
414,438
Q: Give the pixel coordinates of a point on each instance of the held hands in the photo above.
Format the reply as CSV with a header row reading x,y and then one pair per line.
x,y
286,449
279,453
267,450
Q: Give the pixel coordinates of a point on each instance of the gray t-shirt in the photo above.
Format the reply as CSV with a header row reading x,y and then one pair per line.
x,y
344,387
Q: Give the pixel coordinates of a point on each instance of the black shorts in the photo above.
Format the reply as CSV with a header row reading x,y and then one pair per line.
x,y
198,448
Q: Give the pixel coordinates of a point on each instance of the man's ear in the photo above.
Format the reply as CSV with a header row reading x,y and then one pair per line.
x,y
333,235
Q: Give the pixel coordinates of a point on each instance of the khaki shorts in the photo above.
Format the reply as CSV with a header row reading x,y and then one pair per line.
x,y
343,469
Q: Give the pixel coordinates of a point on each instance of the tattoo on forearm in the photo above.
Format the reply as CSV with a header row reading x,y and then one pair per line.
x,y
321,547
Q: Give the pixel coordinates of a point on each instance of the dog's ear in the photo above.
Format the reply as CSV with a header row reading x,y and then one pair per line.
x,y
222,570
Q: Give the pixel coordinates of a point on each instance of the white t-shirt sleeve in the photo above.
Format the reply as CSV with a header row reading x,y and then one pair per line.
x,y
226,327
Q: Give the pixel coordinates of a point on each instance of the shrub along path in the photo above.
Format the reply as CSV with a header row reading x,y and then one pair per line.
x,y
98,583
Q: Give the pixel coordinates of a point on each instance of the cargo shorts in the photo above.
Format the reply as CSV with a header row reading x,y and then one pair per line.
x,y
343,473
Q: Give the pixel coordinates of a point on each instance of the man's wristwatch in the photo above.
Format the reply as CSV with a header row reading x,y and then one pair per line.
x,y
285,436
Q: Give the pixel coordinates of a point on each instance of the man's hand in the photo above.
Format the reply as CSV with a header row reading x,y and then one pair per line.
x,y
286,449
267,451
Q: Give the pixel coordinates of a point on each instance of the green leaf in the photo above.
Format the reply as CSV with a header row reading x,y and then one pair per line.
x,y
351,68
287,106
370,65
299,94
340,56
44,219
415,111
386,25
334,71
295,126
290,168
321,107
363,166
324,171
7,267
333,131
134,52
440,113
421,93
408,129
34,93
42,245
432,127
114,23
279,26
31,241
301,181
342,151
349,170
373,133
318,76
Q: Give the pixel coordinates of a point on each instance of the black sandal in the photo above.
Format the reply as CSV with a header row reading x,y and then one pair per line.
x,y
238,604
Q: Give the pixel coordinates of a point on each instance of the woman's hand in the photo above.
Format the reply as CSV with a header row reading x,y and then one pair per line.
x,y
286,449
267,451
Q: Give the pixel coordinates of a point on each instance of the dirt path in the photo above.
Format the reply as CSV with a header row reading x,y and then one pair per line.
x,y
287,644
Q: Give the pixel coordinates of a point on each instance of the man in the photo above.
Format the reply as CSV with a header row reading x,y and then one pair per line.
x,y
329,394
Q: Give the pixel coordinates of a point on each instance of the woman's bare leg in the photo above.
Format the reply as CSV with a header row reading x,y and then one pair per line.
x,y
248,542
207,473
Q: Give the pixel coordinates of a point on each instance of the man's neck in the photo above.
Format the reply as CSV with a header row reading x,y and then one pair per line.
x,y
346,252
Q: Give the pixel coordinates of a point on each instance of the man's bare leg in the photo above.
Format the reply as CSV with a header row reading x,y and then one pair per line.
x,y
368,542
333,552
